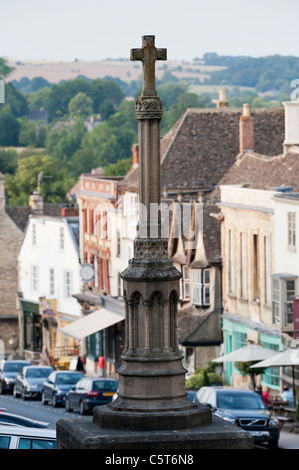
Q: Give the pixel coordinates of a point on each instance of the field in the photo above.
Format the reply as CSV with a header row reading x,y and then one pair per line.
x,y
54,72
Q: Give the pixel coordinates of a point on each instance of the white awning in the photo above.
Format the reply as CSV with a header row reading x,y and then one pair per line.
x,y
91,323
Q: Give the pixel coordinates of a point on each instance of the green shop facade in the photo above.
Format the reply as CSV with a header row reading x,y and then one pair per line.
x,y
237,333
31,331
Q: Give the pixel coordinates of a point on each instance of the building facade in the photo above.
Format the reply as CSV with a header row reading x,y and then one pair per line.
x,y
49,275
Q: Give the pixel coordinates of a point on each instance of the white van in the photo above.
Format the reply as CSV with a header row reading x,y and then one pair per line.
x,y
13,437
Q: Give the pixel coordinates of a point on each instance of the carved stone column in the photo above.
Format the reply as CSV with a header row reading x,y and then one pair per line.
x,y
151,376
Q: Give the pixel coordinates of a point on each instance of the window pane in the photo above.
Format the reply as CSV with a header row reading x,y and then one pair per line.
x,y
196,276
4,442
207,276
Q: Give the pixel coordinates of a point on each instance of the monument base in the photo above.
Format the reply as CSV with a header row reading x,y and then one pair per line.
x,y
84,434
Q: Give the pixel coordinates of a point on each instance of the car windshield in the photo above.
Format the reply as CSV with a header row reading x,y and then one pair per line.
x,y
13,366
65,379
240,401
101,385
37,373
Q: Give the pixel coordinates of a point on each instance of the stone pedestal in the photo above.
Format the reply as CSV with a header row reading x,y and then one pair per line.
x,y
83,434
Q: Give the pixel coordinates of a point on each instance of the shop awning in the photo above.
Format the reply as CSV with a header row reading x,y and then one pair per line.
x,y
91,323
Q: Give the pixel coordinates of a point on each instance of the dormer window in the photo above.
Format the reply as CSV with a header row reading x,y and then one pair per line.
x,y
201,287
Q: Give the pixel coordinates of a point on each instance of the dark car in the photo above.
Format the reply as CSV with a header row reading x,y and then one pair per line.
x,y
243,408
18,420
8,372
30,380
57,385
90,392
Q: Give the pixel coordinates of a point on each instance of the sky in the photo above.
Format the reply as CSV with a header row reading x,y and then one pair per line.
x,y
62,30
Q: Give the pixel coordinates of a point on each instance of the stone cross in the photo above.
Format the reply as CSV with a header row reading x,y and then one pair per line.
x,y
148,54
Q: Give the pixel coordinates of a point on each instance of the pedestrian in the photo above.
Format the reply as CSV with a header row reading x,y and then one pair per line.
x,y
259,390
267,397
287,396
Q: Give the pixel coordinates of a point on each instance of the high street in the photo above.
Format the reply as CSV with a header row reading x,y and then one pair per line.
x,y
36,410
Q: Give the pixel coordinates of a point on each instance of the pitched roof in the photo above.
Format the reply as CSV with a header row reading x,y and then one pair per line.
x,y
201,147
263,172
20,214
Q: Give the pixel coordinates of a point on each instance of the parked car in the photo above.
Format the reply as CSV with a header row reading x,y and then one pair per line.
x,y
90,392
13,437
58,383
242,408
18,420
8,372
191,395
29,381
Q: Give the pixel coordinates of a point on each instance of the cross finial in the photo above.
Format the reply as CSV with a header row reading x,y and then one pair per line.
x,y
148,54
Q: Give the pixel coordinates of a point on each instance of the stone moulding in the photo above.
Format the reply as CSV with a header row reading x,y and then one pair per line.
x,y
148,108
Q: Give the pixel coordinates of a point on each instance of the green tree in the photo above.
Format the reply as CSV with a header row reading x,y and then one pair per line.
x,y
23,182
9,129
62,145
5,69
8,161
106,109
80,106
39,99
28,133
245,369
120,168
15,102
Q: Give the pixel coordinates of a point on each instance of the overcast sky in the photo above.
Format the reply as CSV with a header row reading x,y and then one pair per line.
x,y
100,29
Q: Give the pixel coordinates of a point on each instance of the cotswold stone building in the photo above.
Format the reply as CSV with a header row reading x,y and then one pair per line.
x,y
12,224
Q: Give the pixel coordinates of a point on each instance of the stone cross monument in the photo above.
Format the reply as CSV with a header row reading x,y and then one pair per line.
x,y
152,401
151,376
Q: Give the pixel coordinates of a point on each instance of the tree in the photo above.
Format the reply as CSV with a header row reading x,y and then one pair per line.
x,y
38,100
62,145
9,129
80,106
15,102
22,184
5,69
8,161
245,369
120,168
106,109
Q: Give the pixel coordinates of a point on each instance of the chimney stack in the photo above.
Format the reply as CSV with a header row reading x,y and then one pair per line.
x,y
291,124
135,154
246,130
222,102
36,202
70,211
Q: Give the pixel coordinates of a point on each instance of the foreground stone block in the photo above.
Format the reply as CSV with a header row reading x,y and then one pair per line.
x,y
84,434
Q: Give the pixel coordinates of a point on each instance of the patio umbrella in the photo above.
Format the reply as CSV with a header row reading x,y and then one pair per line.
x,y
287,358
249,353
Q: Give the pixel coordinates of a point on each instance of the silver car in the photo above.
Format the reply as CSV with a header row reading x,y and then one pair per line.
x,y
29,381
13,437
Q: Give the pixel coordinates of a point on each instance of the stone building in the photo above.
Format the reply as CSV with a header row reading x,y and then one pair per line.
x,y
195,154
12,225
13,222
252,252
49,275
97,197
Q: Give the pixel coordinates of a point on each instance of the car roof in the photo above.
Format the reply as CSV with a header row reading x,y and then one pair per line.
x,y
227,389
5,414
34,432
38,367
68,371
17,361
104,379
